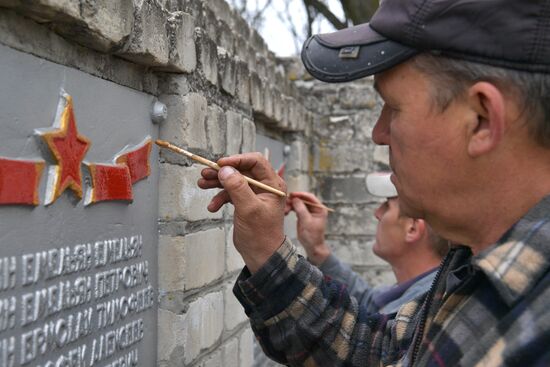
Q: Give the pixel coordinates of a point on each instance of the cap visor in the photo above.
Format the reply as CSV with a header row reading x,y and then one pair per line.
x,y
325,56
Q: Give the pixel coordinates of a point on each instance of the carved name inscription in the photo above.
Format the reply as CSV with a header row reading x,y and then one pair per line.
x,y
75,306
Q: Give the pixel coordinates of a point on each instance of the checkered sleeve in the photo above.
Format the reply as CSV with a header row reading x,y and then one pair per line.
x,y
302,318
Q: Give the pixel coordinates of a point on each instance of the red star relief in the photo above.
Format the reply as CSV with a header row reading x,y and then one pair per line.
x,y
68,148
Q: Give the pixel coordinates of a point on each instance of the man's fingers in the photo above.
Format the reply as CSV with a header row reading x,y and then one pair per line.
x,y
218,201
253,164
209,174
301,210
209,184
305,196
237,188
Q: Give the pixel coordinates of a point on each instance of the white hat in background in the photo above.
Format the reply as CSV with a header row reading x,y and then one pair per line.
x,y
379,184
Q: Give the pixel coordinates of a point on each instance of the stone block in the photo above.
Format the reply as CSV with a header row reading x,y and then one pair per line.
x,y
234,311
261,68
257,90
179,196
335,128
171,339
228,73
278,109
287,102
357,97
225,37
182,53
233,260
342,158
356,251
209,23
268,94
234,132
148,43
347,189
355,220
216,130
251,58
102,25
298,159
230,352
208,56
290,227
241,26
258,43
171,262
204,254
185,124
297,182
246,348
249,136
222,10
170,83
243,85
215,359
381,155
202,325
241,48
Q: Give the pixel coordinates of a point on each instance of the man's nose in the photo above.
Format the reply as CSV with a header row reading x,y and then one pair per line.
x,y
381,131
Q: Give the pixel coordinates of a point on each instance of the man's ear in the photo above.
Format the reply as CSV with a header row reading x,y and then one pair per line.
x,y
415,230
488,104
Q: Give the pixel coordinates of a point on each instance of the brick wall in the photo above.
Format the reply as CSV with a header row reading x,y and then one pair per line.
x,y
221,85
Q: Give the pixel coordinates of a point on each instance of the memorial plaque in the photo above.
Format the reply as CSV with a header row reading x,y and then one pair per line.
x,y
78,218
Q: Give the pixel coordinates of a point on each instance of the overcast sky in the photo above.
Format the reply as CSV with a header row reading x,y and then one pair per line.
x,y
277,34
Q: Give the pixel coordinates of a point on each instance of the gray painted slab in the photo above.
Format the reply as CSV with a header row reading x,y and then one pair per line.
x,y
112,117
274,147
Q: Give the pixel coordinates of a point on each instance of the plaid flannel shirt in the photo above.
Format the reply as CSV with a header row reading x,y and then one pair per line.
x,y
492,309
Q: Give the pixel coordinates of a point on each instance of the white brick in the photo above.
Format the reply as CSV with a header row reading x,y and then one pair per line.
x,y
246,348
208,56
230,352
148,42
234,261
216,130
202,324
185,125
228,72
297,182
204,254
234,312
243,82
214,360
171,263
299,156
234,132
171,338
183,54
100,24
381,154
249,136
179,196
290,226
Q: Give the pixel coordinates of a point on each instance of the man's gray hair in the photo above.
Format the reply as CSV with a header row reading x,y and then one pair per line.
x,y
452,77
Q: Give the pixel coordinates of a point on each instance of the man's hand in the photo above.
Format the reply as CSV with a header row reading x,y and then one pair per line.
x,y
312,222
259,215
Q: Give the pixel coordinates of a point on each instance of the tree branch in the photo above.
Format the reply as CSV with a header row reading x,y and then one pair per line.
x,y
323,9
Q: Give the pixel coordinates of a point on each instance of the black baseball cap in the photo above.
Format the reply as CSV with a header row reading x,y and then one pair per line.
x,y
508,33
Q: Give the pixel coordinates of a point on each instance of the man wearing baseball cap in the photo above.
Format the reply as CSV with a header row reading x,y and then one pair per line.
x,y
466,91
409,245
